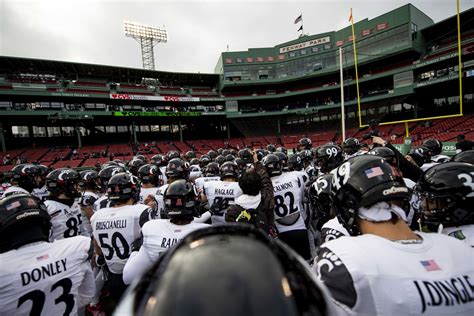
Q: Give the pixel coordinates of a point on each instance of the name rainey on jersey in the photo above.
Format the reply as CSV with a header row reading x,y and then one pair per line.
x,y
49,270
446,292
283,186
119,223
169,242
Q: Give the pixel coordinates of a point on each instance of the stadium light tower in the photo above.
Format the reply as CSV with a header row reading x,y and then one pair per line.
x,y
148,37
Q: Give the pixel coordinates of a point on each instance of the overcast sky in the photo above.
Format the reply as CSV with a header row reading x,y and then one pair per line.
x,y
91,31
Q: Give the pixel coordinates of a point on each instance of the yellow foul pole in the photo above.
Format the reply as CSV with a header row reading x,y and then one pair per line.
x,y
355,65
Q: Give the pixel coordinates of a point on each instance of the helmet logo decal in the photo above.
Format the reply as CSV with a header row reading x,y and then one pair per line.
x,y
63,173
467,182
374,172
394,190
341,176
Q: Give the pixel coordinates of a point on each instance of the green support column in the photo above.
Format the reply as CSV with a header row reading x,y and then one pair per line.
x,y
134,131
228,131
180,132
2,138
79,140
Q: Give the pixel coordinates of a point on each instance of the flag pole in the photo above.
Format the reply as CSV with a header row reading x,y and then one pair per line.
x,y
343,118
355,65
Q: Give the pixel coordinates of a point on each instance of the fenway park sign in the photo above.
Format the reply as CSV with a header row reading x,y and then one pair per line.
x,y
169,98
313,42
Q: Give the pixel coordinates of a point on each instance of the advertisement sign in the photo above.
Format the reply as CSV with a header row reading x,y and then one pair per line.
x,y
134,114
169,98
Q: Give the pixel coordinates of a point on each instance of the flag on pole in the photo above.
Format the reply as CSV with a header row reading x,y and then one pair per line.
x,y
350,16
301,28
299,19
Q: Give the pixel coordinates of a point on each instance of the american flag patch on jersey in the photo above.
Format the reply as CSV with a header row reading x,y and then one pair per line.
x,y
43,257
430,265
13,205
373,172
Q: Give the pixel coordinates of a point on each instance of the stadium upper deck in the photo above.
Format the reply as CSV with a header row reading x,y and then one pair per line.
x,y
408,67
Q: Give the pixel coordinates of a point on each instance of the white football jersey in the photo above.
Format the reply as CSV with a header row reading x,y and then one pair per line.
x,y
372,275
102,202
66,220
87,200
288,190
332,229
47,278
158,236
199,182
224,194
164,178
115,229
40,193
14,190
464,233
144,192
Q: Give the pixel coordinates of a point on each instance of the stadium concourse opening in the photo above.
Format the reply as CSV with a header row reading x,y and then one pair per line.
x,y
407,67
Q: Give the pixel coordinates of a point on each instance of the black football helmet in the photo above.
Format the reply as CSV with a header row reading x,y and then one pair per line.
x,y
273,165
22,214
204,160
305,143
177,168
24,175
229,169
420,155
194,162
328,157
260,154
212,154
276,281
447,194
181,200
320,199
189,155
108,172
242,166
63,181
271,148
246,155
434,145
229,157
158,160
141,157
134,165
211,170
123,186
150,173
385,153
465,156
90,180
295,163
282,149
283,160
172,155
41,177
350,146
220,159
362,181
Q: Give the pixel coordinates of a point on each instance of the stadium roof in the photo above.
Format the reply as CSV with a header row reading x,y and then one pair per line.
x,y
14,65
467,22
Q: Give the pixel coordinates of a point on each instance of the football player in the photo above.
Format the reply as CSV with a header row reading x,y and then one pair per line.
x,y
181,202
384,262
38,277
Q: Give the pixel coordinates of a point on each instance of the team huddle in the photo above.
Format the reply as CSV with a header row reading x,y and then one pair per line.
x,y
332,230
